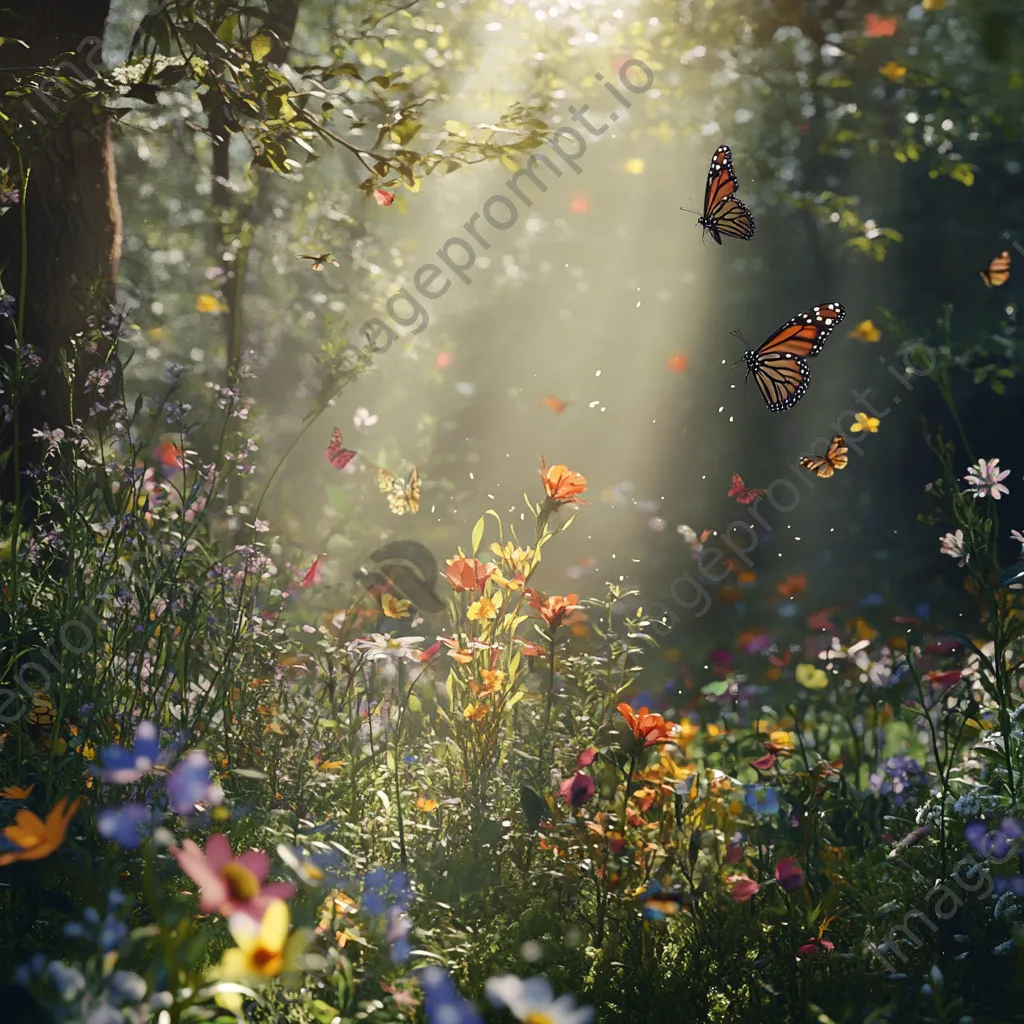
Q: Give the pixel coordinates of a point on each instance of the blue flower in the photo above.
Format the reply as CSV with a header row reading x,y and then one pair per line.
x,y
122,766
442,1002
190,784
127,825
871,601
896,778
996,844
762,799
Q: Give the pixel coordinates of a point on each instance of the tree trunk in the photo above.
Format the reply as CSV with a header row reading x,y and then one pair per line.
x,y
72,216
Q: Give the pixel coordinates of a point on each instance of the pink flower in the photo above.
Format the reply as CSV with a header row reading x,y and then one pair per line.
x,y
577,789
743,888
789,874
734,849
985,479
816,946
230,884
953,545
587,757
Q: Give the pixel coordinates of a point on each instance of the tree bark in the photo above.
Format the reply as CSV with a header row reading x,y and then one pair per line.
x,y
72,216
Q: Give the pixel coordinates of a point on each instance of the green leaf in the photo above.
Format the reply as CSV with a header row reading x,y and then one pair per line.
x,y
322,1011
249,773
478,534
533,805
226,29
259,46
962,172
390,760
414,703
715,689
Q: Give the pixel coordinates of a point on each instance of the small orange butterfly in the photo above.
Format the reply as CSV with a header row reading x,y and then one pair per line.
x,y
998,271
552,403
837,456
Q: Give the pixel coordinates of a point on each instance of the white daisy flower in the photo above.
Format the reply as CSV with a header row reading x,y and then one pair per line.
x,y
531,999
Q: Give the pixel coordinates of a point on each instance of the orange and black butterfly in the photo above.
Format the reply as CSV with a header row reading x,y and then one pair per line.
x,y
723,213
837,456
319,261
997,272
779,363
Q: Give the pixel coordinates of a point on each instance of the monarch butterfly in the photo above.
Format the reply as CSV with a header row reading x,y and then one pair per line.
x,y
837,456
742,493
723,213
402,497
319,261
335,454
779,364
998,272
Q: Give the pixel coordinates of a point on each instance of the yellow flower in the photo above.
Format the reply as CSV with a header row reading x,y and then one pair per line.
x,y
393,607
424,803
210,304
683,733
517,559
263,952
782,739
493,679
16,792
36,838
865,422
516,583
475,712
485,608
634,166
866,331
811,677
893,71
933,5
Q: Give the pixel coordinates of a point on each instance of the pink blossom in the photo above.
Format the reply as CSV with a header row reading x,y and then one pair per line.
x,y
953,545
230,884
743,888
577,789
789,874
587,757
985,479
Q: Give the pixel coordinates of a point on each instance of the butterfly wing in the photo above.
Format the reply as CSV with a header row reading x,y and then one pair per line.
x,y
805,335
386,482
736,487
822,467
998,271
743,494
838,452
413,490
782,381
732,218
721,181
337,455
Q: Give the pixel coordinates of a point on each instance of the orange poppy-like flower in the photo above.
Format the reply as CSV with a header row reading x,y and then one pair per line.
x,y
554,609
792,585
562,485
648,727
475,712
468,573
36,838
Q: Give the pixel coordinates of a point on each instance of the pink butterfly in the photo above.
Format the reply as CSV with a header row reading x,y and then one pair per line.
x,y
383,198
741,493
313,573
336,455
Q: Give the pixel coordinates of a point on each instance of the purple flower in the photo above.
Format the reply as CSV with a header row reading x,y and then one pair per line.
x,y
380,883
122,766
896,777
126,825
996,844
442,1002
577,789
789,874
6,305
190,784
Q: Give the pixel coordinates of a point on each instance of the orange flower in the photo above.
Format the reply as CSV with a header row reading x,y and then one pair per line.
x,y
562,485
468,573
650,728
16,792
37,838
877,27
791,586
461,654
554,609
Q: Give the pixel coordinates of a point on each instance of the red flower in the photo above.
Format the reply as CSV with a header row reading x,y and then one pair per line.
x,y
554,609
876,27
468,573
764,764
789,874
562,485
649,728
577,789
